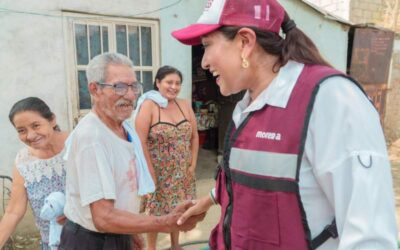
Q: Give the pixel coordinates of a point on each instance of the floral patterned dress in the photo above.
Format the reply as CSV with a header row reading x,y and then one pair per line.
x,y
42,177
169,147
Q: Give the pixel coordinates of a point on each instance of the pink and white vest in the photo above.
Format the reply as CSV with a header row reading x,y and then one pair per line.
x,y
258,183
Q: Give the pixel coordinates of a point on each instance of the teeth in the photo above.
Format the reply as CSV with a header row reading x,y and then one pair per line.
x,y
215,73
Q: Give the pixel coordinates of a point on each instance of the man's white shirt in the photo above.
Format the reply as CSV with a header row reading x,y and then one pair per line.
x,y
100,165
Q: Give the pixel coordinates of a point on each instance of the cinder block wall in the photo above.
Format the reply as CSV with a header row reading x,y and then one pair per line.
x,y
366,11
384,13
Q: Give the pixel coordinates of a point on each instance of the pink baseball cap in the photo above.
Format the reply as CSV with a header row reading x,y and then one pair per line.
x,y
263,14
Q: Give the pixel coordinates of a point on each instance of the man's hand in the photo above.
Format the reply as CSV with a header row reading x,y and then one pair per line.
x,y
196,212
61,219
171,219
191,222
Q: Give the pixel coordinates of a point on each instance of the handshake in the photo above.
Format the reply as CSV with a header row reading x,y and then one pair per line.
x,y
186,215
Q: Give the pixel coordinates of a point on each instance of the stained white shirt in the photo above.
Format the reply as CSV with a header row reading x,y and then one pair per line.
x,y
345,171
100,165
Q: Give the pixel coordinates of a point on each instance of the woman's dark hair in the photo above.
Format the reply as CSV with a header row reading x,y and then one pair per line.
x,y
32,104
163,72
296,45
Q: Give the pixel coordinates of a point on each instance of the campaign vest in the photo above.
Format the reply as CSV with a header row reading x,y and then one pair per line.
x,y
258,183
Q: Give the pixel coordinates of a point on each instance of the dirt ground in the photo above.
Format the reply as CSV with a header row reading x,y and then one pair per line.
x,y
394,154
27,237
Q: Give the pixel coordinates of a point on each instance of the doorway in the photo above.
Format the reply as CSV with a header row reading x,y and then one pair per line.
x,y
213,111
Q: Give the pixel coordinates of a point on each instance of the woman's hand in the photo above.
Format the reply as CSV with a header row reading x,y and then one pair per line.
x,y
191,171
16,208
154,177
200,207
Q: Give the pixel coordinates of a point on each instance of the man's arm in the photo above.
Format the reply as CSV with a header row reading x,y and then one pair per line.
x,y
197,212
107,218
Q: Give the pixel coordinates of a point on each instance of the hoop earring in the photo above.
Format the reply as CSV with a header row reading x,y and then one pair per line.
x,y
245,63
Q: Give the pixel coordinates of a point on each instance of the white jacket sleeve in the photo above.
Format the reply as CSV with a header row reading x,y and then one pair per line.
x,y
347,151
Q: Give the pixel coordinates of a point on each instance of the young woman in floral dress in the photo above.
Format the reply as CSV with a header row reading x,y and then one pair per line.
x,y
170,141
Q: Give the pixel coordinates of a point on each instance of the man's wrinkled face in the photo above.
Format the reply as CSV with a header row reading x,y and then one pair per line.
x,y
114,106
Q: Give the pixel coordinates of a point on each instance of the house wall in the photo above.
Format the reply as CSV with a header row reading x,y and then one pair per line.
x,y
173,52
383,13
31,64
366,11
392,116
34,60
33,57
327,34
340,8
330,36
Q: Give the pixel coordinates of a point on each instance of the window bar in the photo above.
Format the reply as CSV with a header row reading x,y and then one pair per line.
x,y
127,41
76,64
88,42
140,53
75,46
101,38
153,53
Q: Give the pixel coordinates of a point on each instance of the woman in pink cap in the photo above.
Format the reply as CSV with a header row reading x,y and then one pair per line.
x,y
305,163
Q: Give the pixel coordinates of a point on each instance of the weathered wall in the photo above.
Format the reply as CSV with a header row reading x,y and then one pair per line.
x,y
173,52
366,11
340,8
392,118
384,13
330,36
34,59
33,56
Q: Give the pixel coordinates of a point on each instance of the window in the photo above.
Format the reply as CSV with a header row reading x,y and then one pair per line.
x,y
93,35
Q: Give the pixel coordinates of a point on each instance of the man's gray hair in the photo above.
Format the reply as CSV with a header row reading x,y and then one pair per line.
x,y
97,68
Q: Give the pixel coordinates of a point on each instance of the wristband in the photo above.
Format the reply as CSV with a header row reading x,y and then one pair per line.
x,y
212,196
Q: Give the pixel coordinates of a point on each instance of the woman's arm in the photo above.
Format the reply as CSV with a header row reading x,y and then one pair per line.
x,y
347,151
194,143
15,209
143,122
201,207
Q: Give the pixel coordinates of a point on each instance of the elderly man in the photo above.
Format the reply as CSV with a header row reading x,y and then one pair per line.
x,y
101,188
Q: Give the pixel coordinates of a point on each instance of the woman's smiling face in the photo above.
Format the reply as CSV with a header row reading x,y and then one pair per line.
x,y
222,57
33,129
170,86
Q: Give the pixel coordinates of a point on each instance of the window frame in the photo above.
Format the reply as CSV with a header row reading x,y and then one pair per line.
x,y
69,21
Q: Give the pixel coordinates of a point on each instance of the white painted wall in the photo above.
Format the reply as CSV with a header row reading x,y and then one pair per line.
x,y
331,37
33,58
31,64
173,52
